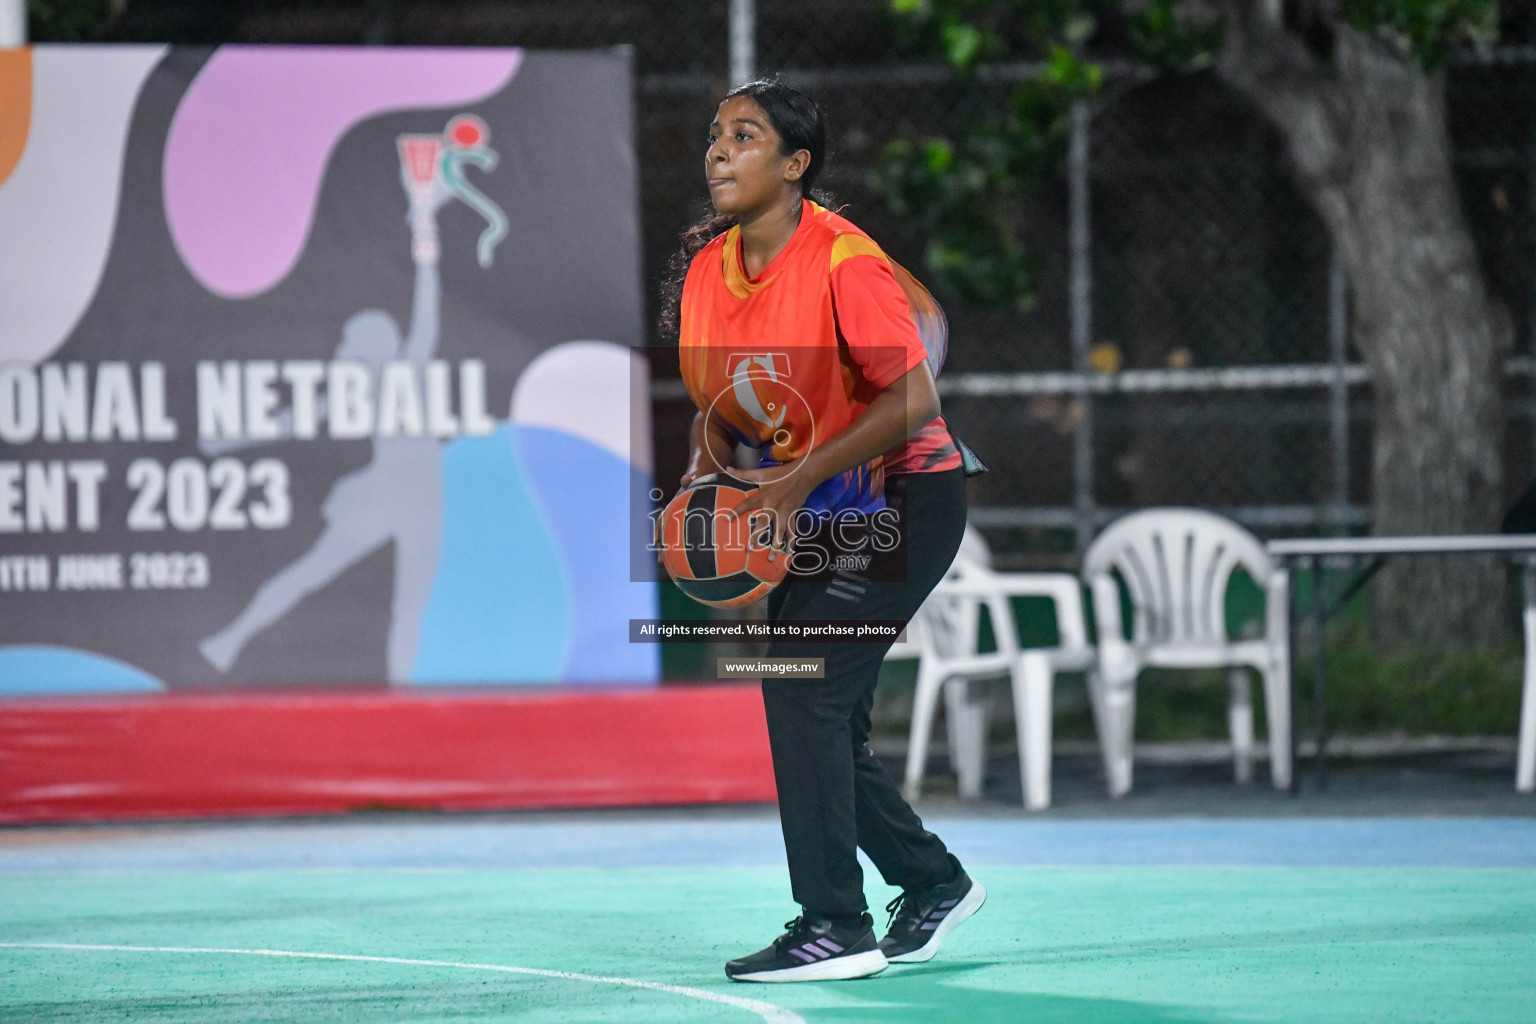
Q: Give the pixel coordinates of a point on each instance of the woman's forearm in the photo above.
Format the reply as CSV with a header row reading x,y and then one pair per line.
x,y
710,447
898,412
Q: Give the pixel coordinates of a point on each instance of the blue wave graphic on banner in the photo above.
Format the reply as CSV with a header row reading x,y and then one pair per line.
x,y
587,493
533,577
498,607
37,668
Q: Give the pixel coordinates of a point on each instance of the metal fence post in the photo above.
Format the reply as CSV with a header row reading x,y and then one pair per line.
x,y
1081,302
743,31
1338,404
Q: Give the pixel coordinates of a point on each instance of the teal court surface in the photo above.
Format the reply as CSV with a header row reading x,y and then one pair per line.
x,y
629,916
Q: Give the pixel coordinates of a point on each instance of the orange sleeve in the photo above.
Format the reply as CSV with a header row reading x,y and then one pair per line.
x,y
872,312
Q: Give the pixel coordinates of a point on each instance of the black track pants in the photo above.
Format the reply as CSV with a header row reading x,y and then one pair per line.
x,y
833,793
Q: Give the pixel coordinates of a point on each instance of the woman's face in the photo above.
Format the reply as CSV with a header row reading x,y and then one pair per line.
x,y
744,165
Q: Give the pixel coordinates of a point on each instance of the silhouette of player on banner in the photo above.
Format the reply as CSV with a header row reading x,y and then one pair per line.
x,y
398,495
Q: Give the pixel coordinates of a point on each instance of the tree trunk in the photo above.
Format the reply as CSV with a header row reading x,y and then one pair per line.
x,y
1367,134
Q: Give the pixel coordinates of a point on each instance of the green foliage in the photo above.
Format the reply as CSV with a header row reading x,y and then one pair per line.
x,y
1419,692
948,194
1428,29
1163,38
1415,692
966,192
66,21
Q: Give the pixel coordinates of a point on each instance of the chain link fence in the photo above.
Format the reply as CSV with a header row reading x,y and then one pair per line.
x,y
1210,363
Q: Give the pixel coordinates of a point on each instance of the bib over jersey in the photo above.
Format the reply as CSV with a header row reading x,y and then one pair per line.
x,y
790,358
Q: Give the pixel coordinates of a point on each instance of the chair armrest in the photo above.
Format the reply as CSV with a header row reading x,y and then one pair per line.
x,y
1064,590
973,585
1012,584
994,588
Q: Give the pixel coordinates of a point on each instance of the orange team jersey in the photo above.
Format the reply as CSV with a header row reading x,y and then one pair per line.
x,y
790,358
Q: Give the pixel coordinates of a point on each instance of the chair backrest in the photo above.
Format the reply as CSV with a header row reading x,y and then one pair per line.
x,y
1176,564
973,551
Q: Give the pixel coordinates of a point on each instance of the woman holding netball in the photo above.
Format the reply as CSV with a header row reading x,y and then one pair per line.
x,y
798,336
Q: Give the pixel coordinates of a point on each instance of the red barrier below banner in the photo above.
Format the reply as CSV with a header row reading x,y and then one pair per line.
x,y
200,756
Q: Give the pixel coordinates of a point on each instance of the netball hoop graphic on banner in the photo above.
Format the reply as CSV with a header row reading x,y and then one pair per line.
x,y
431,168
317,415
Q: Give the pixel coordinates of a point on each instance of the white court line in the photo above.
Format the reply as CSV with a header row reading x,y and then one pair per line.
x,y
770,1013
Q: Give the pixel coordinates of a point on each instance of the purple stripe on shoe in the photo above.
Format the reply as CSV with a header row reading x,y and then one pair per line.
x,y
811,947
834,947
803,955
938,915
928,926
948,903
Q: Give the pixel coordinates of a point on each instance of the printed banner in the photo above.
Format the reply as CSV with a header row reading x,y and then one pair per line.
x,y
316,367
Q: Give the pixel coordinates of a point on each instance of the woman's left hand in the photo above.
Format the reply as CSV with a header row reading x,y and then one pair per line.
x,y
781,492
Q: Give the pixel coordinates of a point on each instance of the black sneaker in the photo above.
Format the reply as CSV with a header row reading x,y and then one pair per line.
x,y
814,950
920,920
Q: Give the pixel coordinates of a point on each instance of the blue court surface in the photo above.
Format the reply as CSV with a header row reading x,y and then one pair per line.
x,y
751,838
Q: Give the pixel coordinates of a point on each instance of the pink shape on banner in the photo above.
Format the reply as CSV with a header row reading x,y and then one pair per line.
x,y
249,144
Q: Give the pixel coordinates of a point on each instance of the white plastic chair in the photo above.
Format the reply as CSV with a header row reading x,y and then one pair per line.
x,y
945,633
943,630
1175,564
